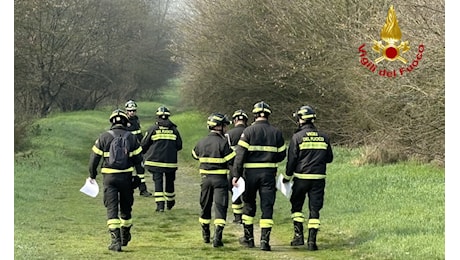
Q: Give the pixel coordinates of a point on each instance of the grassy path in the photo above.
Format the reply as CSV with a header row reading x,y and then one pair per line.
x,y
188,232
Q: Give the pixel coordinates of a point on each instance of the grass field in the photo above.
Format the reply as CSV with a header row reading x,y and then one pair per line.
x,y
370,212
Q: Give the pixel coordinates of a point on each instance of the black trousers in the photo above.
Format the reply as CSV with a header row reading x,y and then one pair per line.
x,y
314,189
118,195
164,184
262,183
214,189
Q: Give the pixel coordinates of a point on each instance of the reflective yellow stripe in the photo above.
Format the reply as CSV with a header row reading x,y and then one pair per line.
x,y
220,171
260,165
313,223
219,222
161,164
136,152
97,151
212,160
164,136
194,154
204,221
110,170
248,220
113,223
313,145
266,223
259,148
282,148
126,222
298,217
237,206
230,156
135,132
243,144
310,176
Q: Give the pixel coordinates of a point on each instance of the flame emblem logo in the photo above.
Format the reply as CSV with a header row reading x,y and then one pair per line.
x,y
391,35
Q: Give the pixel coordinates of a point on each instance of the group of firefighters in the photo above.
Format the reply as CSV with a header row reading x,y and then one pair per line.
x,y
248,151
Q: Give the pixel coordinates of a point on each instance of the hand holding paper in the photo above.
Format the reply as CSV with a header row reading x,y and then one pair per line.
x,y
284,187
90,188
239,189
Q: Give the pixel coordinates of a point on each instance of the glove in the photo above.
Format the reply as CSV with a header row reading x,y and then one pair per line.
x,y
285,180
135,182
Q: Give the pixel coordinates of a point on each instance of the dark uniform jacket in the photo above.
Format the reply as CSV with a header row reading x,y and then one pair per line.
x,y
308,153
261,146
101,150
234,134
134,126
161,144
214,153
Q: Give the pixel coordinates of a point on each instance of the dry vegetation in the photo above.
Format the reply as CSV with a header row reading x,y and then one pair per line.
x,y
290,53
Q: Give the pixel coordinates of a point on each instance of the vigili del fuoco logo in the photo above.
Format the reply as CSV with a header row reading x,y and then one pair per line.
x,y
388,49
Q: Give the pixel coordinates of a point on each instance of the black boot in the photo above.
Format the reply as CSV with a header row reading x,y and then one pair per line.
x,y
238,219
160,206
170,204
125,235
298,239
143,190
265,239
312,239
116,239
248,239
217,241
205,232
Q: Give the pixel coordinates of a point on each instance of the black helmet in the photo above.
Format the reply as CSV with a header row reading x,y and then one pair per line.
x,y
305,113
216,119
261,109
163,112
240,115
118,116
131,105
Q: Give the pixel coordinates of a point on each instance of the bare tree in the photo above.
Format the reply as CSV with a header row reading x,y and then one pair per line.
x,y
291,53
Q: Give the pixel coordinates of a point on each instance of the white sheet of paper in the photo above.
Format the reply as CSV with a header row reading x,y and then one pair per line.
x,y
90,189
237,191
285,188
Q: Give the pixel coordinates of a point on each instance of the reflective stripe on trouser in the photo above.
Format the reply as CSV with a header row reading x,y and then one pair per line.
x,y
113,223
313,223
214,191
237,208
164,186
126,222
298,217
314,189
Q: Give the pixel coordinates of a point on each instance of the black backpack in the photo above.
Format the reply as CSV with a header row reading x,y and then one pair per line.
x,y
119,151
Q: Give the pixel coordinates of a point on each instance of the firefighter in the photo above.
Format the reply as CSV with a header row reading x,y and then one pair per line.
x,y
161,144
240,122
216,158
308,153
134,125
260,148
118,182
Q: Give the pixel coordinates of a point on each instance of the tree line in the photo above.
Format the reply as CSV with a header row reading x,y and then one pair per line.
x,y
79,54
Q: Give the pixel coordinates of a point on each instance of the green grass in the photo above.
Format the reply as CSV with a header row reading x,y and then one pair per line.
x,y
370,212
